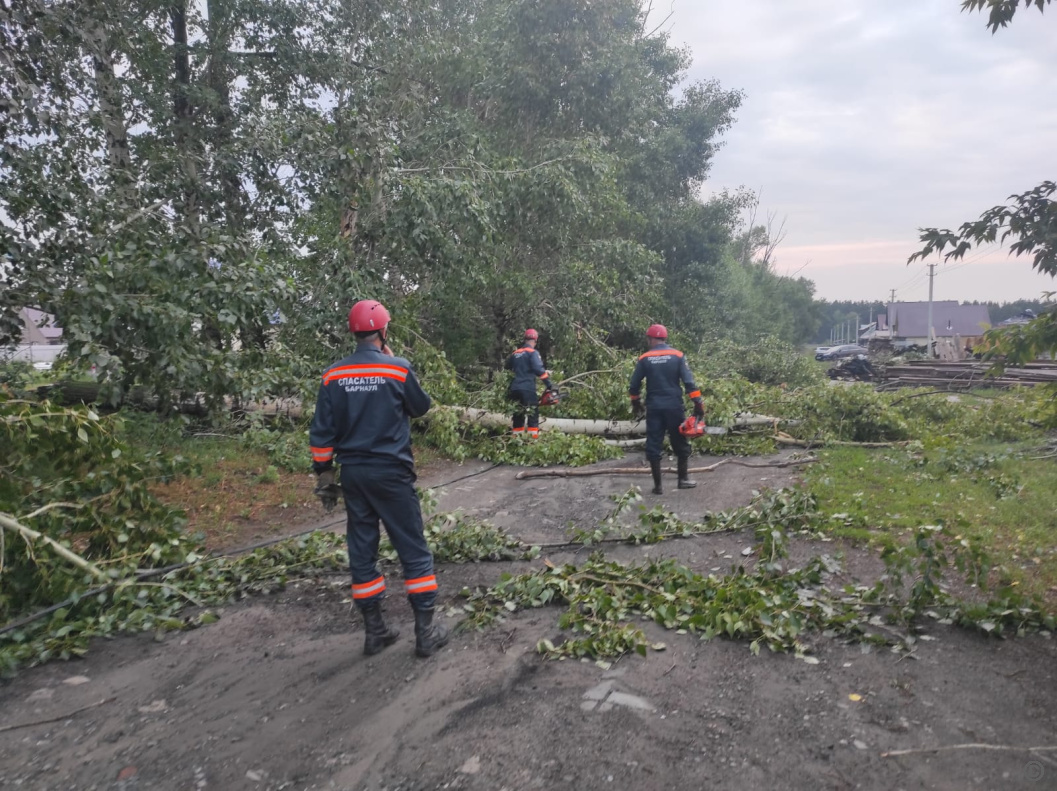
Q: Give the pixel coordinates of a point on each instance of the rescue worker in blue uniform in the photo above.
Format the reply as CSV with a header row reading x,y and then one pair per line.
x,y
527,365
362,421
667,375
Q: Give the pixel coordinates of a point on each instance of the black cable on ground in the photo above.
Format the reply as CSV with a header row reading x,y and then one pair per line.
x,y
464,477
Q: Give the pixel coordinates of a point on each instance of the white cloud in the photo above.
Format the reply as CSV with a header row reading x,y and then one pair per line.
x,y
864,121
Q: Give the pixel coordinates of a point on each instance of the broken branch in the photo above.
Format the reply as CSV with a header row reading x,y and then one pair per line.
x,y
950,747
56,719
525,474
30,535
785,439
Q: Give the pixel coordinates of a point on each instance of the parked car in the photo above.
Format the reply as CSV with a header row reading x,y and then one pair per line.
x,y
821,350
840,352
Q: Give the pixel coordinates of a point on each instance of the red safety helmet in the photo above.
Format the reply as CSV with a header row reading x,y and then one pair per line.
x,y
692,427
657,331
367,315
531,335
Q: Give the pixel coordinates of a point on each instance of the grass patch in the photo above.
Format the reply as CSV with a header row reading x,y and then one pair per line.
x,y
236,492
993,492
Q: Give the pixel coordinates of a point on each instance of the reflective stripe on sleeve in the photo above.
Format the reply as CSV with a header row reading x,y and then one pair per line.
x,y
366,590
421,585
322,454
695,394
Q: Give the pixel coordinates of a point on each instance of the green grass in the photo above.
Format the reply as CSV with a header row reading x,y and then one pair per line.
x,y
993,492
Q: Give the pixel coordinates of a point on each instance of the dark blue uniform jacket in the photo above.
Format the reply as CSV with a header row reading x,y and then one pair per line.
x,y
667,375
363,410
526,365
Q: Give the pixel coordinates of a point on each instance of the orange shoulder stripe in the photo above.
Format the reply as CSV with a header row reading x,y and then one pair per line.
x,y
662,353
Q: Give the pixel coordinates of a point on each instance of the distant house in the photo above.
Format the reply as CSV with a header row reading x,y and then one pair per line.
x,y
41,343
39,327
906,323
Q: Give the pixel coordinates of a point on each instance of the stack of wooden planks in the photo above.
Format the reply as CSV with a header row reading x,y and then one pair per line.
x,y
966,374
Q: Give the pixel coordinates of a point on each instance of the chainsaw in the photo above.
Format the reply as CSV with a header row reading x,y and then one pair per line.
x,y
550,397
695,427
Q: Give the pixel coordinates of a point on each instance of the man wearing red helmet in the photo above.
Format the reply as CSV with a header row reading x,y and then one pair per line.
x,y
526,364
362,421
667,375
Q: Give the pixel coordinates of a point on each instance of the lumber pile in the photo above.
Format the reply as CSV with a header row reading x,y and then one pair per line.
x,y
966,374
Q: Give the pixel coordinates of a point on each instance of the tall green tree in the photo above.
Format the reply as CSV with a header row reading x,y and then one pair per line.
x,y
200,190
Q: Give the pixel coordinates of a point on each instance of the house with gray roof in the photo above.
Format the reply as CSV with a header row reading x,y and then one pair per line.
x,y
906,323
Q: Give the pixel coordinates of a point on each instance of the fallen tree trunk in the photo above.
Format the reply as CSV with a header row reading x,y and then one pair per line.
x,y
626,443
68,393
526,474
602,428
85,392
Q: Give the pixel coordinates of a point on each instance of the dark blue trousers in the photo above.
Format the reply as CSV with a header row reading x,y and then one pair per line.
x,y
658,423
386,492
528,402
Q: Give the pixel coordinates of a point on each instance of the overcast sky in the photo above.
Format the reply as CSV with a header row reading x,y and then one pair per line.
x,y
867,119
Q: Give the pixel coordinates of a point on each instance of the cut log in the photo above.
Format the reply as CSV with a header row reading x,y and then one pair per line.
x,y
967,374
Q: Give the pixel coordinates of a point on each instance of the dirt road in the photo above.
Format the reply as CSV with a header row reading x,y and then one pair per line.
x,y
276,695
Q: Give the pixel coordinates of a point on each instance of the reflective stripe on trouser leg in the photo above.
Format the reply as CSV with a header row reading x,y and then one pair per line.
x,y
368,590
388,489
421,585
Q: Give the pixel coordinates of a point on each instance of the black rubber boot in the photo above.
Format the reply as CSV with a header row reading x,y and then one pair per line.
x,y
378,635
684,480
655,468
429,636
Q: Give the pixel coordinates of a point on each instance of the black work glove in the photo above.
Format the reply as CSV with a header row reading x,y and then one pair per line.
x,y
638,411
699,409
327,490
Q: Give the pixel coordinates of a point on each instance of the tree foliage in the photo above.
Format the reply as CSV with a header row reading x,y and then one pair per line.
x,y
1028,223
1030,220
1001,12
200,190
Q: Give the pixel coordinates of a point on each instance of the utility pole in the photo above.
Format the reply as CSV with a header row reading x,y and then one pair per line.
x,y
893,297
932,275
